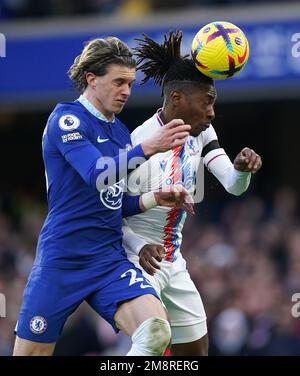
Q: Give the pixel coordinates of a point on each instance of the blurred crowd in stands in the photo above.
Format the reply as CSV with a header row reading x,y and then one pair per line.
x,y
243,255
10,9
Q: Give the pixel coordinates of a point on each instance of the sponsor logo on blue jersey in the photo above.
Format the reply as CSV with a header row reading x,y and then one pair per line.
x,y
100,140
71,137
112,196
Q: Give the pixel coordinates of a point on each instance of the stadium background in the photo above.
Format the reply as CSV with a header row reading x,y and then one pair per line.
x,y
243,253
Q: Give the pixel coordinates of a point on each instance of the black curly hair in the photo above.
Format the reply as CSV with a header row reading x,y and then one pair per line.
x,y
165,65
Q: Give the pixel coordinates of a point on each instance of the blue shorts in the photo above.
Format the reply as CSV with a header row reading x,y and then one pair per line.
x,y
51,295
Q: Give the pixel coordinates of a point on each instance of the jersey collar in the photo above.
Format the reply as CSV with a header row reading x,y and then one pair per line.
x,y
92,109
158,112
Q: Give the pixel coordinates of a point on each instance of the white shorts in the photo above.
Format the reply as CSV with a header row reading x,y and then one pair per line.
x,y
180,297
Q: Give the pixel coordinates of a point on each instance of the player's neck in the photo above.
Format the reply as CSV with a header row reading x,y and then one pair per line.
x,y
165,116
97,104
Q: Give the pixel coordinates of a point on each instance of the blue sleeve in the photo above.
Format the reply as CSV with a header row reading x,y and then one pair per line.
x,y
130,205
71,136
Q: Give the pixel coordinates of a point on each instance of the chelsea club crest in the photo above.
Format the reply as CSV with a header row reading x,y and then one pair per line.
x,y
38,325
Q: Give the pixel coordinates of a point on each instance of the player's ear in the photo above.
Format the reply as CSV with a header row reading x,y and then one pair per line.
x,y
91,79
176,97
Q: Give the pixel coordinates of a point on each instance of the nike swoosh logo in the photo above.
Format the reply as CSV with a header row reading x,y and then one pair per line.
x,y
144,286
100,140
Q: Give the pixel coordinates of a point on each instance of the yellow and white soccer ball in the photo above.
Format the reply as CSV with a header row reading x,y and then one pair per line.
x,y
220,50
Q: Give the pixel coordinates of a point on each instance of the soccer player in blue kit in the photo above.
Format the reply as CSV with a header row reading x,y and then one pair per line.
x,y
79,252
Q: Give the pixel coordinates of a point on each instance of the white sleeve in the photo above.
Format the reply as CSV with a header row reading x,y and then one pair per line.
x,y
234,181
132,242
141,133
144,131
135,137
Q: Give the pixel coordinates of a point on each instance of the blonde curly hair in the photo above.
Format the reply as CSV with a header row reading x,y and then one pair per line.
x,y
96,56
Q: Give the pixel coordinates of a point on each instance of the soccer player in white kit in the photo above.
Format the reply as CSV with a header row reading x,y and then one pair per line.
x,y
155,236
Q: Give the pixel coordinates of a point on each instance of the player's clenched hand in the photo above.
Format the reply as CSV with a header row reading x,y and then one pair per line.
x,y
247,161
177,197
150,255
172,134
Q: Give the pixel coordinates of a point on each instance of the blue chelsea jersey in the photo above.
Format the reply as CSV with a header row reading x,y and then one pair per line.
x,y
83,225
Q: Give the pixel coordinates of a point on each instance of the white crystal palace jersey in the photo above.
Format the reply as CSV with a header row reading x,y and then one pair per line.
x,y
162,225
